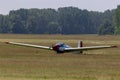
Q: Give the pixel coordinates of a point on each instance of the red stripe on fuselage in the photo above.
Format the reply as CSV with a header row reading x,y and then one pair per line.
x,y
56,47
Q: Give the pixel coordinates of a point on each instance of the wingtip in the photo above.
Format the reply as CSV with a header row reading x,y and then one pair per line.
x,y
114,46
7,42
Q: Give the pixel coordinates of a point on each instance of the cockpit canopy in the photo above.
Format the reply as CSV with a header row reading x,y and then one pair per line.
x,y
63,45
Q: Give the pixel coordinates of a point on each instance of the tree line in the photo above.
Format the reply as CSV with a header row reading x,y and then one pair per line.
x,y
65,20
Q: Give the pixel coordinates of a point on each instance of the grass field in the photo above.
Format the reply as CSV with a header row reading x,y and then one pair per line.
x,y
25,63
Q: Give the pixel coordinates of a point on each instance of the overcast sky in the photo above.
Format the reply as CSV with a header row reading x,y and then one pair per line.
x,y
94,5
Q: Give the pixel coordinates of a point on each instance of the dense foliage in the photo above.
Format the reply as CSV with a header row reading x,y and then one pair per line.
x,y
106,28
117,20
66,20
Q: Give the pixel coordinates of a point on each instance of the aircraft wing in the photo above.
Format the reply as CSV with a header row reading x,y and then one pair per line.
x,y
88,48
30,45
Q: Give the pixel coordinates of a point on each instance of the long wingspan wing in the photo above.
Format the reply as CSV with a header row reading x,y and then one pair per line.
x,y
88,48
30,45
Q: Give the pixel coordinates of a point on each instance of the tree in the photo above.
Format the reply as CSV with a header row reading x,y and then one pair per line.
x,y
106,28
5,24
65,20
18,20
73,20
19,28
117,20
53,28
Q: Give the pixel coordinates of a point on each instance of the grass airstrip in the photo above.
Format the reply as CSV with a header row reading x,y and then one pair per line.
x,y
25,63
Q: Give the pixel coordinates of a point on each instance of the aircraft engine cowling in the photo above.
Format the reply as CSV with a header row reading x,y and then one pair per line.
x,y
58,49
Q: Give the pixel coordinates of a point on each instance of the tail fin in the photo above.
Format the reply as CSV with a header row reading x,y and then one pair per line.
x,y
80,44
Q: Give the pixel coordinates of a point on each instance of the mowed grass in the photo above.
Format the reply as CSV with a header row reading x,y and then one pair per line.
x,y
25,63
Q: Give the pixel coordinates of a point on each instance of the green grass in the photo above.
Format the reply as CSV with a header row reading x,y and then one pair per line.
x,y
25,63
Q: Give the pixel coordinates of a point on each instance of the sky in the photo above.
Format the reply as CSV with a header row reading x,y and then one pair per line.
x,y
94,5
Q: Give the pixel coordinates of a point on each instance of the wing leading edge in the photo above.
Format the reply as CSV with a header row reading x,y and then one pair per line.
x,y
88,48
30,45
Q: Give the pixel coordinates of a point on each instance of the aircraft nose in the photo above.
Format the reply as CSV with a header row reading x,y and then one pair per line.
x,y
56,47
